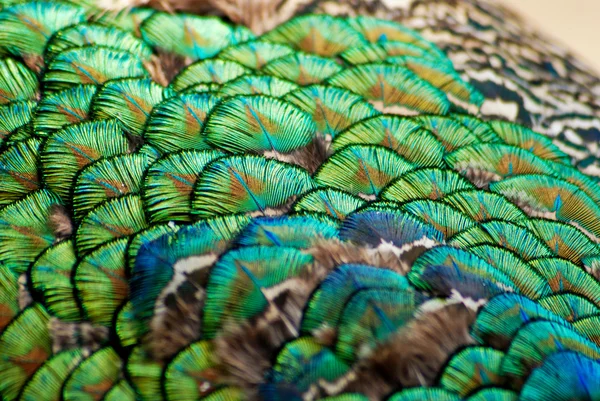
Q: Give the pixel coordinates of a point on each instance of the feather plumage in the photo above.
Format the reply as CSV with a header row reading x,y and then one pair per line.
x,y
326,211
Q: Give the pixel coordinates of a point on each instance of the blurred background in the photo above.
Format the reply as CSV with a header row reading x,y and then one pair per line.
x,y
575,23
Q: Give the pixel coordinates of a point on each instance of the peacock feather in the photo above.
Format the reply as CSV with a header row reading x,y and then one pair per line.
x,y
328,206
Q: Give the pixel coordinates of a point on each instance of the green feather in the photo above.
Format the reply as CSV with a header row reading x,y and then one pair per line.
x,y
24,229
332,109
15,119
9,297
169,183
450,133
485,206
144,375
17,82
129,101
303,69
494,394
28,26
371,316
244,184
443,217
257,85
58,110
515,238
106,179
146,236
258,124
191,373
327,303
529,140
122,391
551,195
424,394
252,274
589,327
392,89
425,184
19,170
255,54
25,346
48,380
381,31
51,279
207,72
101,282
93,65
300,231
460,261
303,362
186,35
564,276
94,376
126,326
570,307
472,368
482,130
318,34
442,76
497,161
403,135
564,240
115,218
376,52
70,150
538,340
177,123
501,318
94,34
362,170
563,377
331,202
530,283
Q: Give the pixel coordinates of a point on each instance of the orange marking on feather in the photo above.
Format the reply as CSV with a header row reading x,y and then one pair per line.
x,y
98,390
6,315
29,181
71,114
31,361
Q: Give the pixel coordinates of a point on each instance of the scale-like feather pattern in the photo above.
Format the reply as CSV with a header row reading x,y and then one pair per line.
x,y
321,207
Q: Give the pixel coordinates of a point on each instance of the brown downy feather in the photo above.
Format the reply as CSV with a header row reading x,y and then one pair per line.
x,y
310,157
593,268
76,335
333,252
177,319
245,351
481,178
60,222
190,6
164,66
34,62
259,15
413,356
157,73
25,298
275,211
179,325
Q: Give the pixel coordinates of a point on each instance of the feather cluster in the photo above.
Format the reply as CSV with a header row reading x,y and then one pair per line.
x,y
189,211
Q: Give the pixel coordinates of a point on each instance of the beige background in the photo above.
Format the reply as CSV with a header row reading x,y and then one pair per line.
x,y
575,23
